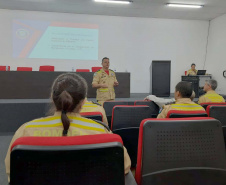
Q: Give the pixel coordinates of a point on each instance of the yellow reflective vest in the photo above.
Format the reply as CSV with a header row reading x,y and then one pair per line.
x,y
92,107
52,127
211,97
183,104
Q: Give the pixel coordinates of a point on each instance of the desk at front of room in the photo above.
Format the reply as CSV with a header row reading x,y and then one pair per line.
x,y
37,84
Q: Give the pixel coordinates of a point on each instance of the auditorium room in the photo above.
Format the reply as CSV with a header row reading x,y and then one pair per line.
x,y
106,92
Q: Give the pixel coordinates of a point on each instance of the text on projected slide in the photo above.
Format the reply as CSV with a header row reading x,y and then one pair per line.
x,y
55,40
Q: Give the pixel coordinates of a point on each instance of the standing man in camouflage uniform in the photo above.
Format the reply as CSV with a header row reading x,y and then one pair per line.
x,y
105,81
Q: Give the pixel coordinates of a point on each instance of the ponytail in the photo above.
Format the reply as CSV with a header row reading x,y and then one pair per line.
x,y
67,92
66,106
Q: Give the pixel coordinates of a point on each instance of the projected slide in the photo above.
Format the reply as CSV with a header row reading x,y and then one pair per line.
x,y
55,40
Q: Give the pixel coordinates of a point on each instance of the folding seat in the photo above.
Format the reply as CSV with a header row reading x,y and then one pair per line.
x,y
204,105
186,114
126,122
24,68
90,159
4,68
154,108
93,115
94,69
22,113
187,176
218,112
82,70
130,102
46,68
108,106
168,147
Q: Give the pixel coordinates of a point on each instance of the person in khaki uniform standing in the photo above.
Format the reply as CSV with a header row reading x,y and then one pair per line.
x,y
192,71
182,95
105,81
68,94
211,96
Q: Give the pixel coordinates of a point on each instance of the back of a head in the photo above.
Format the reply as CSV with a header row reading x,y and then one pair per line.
x,y
68,91
185,89
212,83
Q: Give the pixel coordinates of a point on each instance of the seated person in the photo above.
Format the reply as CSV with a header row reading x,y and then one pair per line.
x,y
192,71
68,94
90,106
163,101
183,92
211,95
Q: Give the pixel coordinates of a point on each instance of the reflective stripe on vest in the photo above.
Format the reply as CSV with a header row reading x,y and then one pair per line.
x,y
103,90
90,105
77,122
186,107
214,97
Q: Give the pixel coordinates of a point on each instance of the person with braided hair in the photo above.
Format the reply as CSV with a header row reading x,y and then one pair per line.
x,y
68,94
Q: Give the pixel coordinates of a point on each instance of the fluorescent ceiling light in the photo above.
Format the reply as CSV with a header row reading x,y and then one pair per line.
x,y
112,1
184,5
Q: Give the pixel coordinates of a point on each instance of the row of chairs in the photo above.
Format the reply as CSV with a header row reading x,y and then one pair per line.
x,y
126,119
204,171
46,68
41,68
186,151
108,106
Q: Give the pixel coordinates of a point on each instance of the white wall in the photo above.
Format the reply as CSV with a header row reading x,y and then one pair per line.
x,y
216,55
130,43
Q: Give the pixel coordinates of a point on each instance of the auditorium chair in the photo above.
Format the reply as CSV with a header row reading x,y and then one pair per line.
x,y
92,115
168,145
126,122
204,105
187,176
186,114
154,108
89,159
46,68
94,69
22,113
218,112
24,68
82,70
108,106
3,68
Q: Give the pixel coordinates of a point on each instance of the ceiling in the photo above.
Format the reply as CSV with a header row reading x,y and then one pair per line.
x,y
139,8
